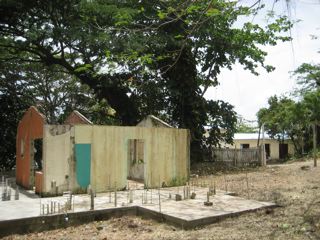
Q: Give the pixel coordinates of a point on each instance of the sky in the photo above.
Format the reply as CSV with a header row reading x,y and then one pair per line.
x,y
247,92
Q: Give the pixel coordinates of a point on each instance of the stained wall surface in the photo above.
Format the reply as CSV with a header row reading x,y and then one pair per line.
x,y
30,128
166,154
58,166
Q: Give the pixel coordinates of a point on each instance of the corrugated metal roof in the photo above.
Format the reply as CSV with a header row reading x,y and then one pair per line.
x,y
250,136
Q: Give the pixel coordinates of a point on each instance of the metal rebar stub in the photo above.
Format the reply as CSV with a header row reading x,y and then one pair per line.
x,y
208,203
178,197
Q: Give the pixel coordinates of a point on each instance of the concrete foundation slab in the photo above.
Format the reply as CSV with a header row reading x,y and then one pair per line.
x,y
158,204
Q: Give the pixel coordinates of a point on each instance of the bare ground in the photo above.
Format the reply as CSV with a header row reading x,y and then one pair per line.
x,y
296,190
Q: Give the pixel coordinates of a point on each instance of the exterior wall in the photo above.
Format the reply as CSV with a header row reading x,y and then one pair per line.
x,y
58,167
30,128
38,182
274,146
166,154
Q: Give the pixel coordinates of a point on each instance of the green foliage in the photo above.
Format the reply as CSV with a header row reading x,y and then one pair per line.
x,y
15,97
245,126
311,102
145,57
178,181
55,93
308,77
286,117
222,122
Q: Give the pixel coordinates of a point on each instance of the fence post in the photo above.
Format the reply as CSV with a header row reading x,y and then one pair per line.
x,y
263,155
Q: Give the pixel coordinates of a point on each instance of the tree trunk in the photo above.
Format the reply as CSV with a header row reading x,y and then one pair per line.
x,y
297,150
314,130
259,136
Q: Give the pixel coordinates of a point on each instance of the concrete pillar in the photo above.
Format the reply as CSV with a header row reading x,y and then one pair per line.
x,y
130,196
51,206
16,195
42,205
47,208
9,194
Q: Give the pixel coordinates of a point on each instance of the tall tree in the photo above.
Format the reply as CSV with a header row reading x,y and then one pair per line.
x,y
294,119
285,118
145,56
55,94
15,97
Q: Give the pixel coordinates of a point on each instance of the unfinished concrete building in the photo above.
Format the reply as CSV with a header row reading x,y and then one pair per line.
x,y
79,154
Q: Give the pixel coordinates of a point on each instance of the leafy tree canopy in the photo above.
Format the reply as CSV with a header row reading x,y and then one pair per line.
x,y
143,57
55,94
308,77
286,117
245,126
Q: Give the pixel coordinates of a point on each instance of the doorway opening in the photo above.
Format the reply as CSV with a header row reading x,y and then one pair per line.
x,y
136,162
283,151
36,161
267,148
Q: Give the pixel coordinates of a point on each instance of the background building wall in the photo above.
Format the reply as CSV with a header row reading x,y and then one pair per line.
x,y
274,146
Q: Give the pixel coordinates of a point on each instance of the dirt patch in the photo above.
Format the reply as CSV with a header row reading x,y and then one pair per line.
x,y
297,191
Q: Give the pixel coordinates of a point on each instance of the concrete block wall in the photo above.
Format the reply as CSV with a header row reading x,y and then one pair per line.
x,y
166,156
30,128
57,155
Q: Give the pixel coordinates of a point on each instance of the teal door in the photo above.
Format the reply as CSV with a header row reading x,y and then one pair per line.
x,y
83,164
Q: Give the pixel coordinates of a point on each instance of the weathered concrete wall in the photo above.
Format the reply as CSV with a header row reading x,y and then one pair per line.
x,y
57,156
166,154
30,128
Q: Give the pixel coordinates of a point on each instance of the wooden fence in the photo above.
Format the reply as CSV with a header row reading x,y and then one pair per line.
x,y
237,157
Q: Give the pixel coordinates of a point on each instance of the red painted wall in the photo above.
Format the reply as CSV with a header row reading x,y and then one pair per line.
x,y
38,182
30,127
